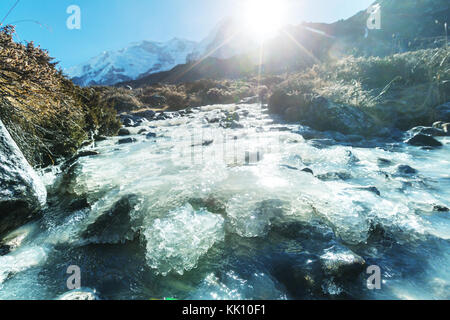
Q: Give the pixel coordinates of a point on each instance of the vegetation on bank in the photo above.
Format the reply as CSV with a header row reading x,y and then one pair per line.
x,y
400,91
47,115
173,97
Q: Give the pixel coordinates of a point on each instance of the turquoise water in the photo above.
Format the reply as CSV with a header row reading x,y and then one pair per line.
x,y
217,213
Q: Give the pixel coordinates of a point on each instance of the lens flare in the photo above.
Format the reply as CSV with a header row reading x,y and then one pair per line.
x,y
263,18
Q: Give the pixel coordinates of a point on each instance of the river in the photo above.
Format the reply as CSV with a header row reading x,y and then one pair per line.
x,y
212,211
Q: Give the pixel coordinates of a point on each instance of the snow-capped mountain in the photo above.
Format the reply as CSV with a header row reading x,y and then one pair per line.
x,y
146,57
137,60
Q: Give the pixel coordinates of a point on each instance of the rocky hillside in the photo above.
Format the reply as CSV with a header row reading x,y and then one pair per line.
x,y
45,113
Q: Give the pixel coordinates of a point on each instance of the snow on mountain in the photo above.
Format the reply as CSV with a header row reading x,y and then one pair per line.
x,y
144,58
130,63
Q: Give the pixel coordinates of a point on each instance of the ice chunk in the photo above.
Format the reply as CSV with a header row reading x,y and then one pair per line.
x,y
249,216
20,260
176,242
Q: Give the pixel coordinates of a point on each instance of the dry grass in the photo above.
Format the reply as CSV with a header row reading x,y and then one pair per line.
x,y
400,90
47,115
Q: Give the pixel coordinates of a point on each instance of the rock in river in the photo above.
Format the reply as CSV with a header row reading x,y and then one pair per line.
x,y
114,225
423,140
22,193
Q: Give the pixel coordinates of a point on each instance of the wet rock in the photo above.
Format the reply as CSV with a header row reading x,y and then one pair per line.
x,y
330,176
4,250
87,153
128,122
309,134
405,170
22,193
79,204
151,135
124,132
440,208
83,294
422,140
147,114
213,119
141,131
99,138
321,114
430,131
351,157
308,170
341,261
371,189
114,226
127,140
160,116
207,143
384,162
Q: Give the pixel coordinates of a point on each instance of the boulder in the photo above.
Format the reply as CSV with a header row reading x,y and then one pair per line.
x,y
439,208
308,170
99,138
128,122
382,162
114,226
405,170
127,140
423,140
430,131
321,114
124,132
22,193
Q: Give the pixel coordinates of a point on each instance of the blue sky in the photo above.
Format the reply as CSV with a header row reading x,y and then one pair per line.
x,y
113,24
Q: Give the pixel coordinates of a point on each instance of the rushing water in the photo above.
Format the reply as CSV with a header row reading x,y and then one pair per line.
x,y
206,212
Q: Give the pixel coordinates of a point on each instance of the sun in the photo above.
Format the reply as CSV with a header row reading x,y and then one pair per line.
x,y
262,19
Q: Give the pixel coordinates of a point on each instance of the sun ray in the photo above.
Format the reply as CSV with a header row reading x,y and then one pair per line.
x,y
298,44
210,53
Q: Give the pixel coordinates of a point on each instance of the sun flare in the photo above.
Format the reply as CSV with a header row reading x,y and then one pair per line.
x,y
263,18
